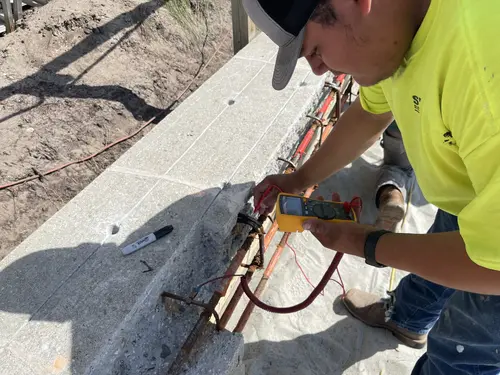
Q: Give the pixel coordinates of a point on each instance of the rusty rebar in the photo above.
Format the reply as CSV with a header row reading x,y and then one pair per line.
x,y
231,306
265,277
210,307
187,347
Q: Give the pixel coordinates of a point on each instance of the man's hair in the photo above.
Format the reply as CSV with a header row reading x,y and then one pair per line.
x,y
324,13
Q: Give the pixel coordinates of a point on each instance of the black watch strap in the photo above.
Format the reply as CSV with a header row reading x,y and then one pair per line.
x,y
370,246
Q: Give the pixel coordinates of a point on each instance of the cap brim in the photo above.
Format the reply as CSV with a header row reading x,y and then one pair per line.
x,y
286,61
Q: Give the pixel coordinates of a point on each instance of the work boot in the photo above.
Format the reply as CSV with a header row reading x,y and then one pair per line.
x,y
391,208
373,311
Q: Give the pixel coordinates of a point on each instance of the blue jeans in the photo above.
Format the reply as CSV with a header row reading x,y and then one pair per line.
x,y
464,327
396,169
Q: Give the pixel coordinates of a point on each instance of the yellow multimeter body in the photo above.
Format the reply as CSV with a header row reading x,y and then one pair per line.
x,y
293,210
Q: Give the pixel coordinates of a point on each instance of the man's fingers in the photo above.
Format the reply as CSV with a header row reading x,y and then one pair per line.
x,y
314,226
336,197
318,229
357,211
356,205
259,191
264,198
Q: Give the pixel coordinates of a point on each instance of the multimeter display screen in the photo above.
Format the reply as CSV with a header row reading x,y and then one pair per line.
x,y
292,206
297,206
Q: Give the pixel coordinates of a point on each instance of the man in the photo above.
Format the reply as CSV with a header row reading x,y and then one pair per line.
x,y
434,65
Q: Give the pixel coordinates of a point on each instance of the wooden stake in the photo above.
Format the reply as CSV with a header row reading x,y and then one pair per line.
x,y
18,9
244,30
8,18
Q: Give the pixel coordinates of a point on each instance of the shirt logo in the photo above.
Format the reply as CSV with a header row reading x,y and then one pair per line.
x,y
416,103
448,139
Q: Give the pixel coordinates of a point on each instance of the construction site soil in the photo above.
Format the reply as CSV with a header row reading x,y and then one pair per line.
x,y
76,76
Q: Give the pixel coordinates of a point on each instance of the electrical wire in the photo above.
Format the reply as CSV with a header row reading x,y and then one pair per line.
x,y
265,194
301,269
341,283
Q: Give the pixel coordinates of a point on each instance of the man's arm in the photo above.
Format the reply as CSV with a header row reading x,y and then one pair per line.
x,y
353,134
441,258
437,257
469,260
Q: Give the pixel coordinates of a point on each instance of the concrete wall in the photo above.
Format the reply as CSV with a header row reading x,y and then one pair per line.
x,y
71,303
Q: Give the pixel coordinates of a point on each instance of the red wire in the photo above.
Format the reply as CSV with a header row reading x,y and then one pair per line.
x,y
341,283
353,204
266,193
58,168
301,269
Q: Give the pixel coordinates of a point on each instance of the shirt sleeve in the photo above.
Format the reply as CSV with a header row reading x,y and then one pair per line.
x,y
373,99
479,221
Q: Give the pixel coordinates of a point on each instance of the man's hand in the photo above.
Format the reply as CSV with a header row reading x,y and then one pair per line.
x,y
288,183
437,257
346,237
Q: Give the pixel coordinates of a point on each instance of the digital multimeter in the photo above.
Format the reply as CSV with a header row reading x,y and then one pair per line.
x,y
293,210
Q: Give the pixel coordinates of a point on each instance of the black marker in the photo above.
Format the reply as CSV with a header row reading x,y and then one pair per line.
x,y
146,240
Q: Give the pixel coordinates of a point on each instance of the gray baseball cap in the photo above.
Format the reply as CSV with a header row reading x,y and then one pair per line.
x,y
283,21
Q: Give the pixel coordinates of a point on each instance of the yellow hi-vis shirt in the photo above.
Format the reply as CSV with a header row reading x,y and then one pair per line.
x,y
445,99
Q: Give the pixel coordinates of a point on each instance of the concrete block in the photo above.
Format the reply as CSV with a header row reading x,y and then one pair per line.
x,y
95,300
303,64
227,143
261,49
27,283
136,345
157,152
281,138
220,353
12,364
221,217
40,265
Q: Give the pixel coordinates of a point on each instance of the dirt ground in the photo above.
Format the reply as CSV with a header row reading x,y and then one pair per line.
x,y
77,75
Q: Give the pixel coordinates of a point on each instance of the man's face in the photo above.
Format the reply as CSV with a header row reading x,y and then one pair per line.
x,y
370,46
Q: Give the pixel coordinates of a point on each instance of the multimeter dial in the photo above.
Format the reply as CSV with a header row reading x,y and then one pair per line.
x,y
324,211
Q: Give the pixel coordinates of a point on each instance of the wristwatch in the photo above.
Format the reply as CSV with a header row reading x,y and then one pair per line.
x,y
371,245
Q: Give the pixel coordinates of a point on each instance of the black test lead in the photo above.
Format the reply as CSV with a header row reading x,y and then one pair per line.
x,y
146,240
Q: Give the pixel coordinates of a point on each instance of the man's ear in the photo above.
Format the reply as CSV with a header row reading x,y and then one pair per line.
x,y
365,6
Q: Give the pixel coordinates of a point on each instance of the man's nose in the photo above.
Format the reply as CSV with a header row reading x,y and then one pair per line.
x,y
317,65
